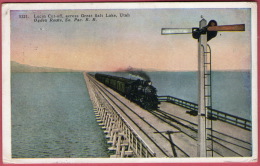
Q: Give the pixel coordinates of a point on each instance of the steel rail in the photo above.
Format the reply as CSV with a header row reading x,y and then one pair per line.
x,y
195,130
139,127
166,115
225,117
119,115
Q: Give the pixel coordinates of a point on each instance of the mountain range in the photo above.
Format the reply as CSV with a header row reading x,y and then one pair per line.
x,y
20,68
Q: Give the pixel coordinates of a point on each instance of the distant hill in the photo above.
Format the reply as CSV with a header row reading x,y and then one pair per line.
x,y
19,68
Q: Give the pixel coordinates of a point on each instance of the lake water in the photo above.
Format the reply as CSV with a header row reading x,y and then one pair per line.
x,y
52,115
231,91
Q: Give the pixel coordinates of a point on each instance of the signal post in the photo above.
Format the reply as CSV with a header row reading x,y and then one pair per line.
x,y
201,109
204,33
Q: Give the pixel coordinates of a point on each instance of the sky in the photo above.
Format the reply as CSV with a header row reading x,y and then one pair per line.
x,y
117,43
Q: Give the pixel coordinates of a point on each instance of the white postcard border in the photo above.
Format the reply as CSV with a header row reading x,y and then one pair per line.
x,y
6,98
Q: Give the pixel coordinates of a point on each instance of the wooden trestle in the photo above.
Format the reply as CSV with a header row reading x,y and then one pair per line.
x,y
122,138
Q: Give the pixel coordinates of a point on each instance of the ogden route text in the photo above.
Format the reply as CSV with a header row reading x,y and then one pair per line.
x,y
84,17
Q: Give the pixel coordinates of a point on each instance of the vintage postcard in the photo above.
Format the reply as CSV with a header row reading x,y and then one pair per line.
x,y
129,82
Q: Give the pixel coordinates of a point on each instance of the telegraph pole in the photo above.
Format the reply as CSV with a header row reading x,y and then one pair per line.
x,y
204,33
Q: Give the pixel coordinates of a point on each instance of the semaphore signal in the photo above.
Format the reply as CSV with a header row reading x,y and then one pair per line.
x,y
203,34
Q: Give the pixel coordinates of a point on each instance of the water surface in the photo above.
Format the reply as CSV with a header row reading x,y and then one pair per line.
x,y
52,117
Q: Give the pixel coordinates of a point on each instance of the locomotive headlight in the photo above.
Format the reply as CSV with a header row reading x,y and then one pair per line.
x,y
149,83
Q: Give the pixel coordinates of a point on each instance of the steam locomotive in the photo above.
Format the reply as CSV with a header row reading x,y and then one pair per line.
x,y
138,91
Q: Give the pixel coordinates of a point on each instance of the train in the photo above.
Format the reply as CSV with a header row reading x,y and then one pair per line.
x,y
138,91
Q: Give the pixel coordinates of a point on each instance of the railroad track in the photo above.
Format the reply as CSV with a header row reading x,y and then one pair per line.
x,y
184,126
126,110
190,129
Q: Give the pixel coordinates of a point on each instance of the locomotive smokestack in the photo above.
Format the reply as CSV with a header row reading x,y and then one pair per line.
x,y
138,73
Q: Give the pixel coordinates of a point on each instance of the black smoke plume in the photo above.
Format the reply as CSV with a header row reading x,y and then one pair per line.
x,y
138,73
